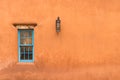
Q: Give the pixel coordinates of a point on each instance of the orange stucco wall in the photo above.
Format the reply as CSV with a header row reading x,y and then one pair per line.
x,y
90,31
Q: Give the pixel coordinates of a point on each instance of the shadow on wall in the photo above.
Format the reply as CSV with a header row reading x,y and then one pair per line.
x,y
59,60
6,63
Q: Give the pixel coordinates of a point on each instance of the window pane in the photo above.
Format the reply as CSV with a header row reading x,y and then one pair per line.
x,y
30,49
24,34
22,49
30,33
26,41
30,56
22,41
26,48
21,34
26,55
22,56
30,40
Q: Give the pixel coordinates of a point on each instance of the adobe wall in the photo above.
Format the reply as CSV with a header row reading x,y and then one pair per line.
x,y
90,31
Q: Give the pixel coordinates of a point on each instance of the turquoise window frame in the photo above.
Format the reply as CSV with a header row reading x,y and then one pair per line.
x,y
29,45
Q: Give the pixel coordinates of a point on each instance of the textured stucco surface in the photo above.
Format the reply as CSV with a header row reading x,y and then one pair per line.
x,y
90,32
31,72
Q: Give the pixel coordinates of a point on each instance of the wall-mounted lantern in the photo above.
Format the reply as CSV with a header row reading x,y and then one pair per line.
x,y
58,21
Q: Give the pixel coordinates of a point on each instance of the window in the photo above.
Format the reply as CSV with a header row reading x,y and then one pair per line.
x,y
26,45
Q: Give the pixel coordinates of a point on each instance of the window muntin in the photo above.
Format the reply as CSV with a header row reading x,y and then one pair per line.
x,y
26,53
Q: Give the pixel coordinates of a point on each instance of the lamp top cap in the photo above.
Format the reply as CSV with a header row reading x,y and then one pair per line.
x,y
58,18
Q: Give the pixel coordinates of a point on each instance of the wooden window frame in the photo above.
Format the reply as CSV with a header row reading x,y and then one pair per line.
x,y
24,45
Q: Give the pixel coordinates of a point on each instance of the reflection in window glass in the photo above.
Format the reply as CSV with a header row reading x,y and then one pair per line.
x,y
26,41
24,34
